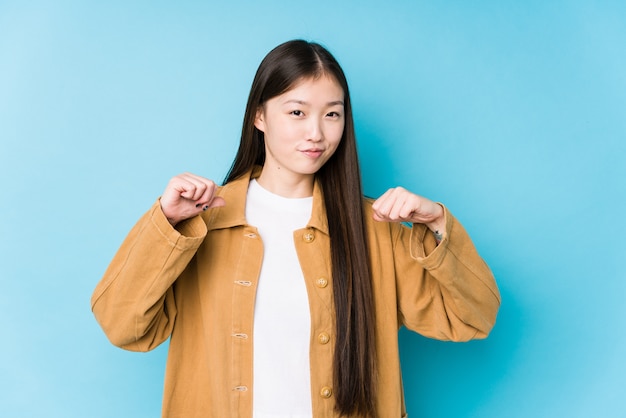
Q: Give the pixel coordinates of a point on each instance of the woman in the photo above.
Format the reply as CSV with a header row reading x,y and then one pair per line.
x,y
282,291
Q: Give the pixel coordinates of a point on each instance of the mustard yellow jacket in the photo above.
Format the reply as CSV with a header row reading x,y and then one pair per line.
x,y
196,285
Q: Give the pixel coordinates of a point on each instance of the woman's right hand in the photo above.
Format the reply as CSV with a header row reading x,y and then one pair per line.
x,y
187,195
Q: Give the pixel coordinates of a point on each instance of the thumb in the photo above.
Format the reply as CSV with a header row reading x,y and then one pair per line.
x,y
216,202
378,218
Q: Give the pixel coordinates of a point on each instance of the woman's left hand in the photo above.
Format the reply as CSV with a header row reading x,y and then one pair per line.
x,y
400,205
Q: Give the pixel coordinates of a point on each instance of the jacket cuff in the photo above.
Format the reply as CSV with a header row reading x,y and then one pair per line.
x,y
424,247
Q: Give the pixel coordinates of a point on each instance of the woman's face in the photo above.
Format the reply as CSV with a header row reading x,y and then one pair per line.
x,y
302,129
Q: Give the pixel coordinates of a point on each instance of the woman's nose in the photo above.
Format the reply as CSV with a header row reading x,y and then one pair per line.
x,y
315,132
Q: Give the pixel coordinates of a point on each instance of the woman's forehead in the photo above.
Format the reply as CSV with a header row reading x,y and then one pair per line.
x,y
310,87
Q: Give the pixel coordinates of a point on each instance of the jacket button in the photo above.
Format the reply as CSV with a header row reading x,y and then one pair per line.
x,y
326,392
321,282
308,237
323,338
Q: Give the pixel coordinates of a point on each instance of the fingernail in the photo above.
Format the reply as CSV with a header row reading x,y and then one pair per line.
x,y
206,207
198,205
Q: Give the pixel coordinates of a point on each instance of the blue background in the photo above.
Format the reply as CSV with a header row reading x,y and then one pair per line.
x,y
512,113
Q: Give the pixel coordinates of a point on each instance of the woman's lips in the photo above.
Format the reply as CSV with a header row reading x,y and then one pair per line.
x,y
313,153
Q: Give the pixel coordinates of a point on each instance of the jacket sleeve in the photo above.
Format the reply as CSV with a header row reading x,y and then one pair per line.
x,y
445,291
134,301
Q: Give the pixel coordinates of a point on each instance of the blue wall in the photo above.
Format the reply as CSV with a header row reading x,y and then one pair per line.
x,y
512,113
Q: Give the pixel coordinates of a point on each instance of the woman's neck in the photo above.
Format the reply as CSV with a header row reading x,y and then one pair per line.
x,y
283,184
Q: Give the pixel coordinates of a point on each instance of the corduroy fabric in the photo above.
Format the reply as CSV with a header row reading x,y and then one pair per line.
x,y
196,283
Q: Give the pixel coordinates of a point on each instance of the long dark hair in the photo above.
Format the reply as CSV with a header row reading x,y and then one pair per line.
x,y
354,362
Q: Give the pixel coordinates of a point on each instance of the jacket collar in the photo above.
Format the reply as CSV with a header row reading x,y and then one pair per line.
x,y
234,213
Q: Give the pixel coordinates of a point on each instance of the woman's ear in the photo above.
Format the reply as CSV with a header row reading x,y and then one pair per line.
x,y
259,122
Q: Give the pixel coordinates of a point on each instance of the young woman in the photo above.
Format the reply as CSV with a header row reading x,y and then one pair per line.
x,y
282,291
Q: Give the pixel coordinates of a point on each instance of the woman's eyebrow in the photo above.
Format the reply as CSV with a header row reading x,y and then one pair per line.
x,y
302,102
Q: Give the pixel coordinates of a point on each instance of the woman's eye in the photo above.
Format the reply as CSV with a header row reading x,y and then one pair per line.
x,y
333,114
296,112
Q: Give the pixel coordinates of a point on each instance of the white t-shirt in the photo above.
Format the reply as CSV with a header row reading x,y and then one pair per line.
x,y
282,320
